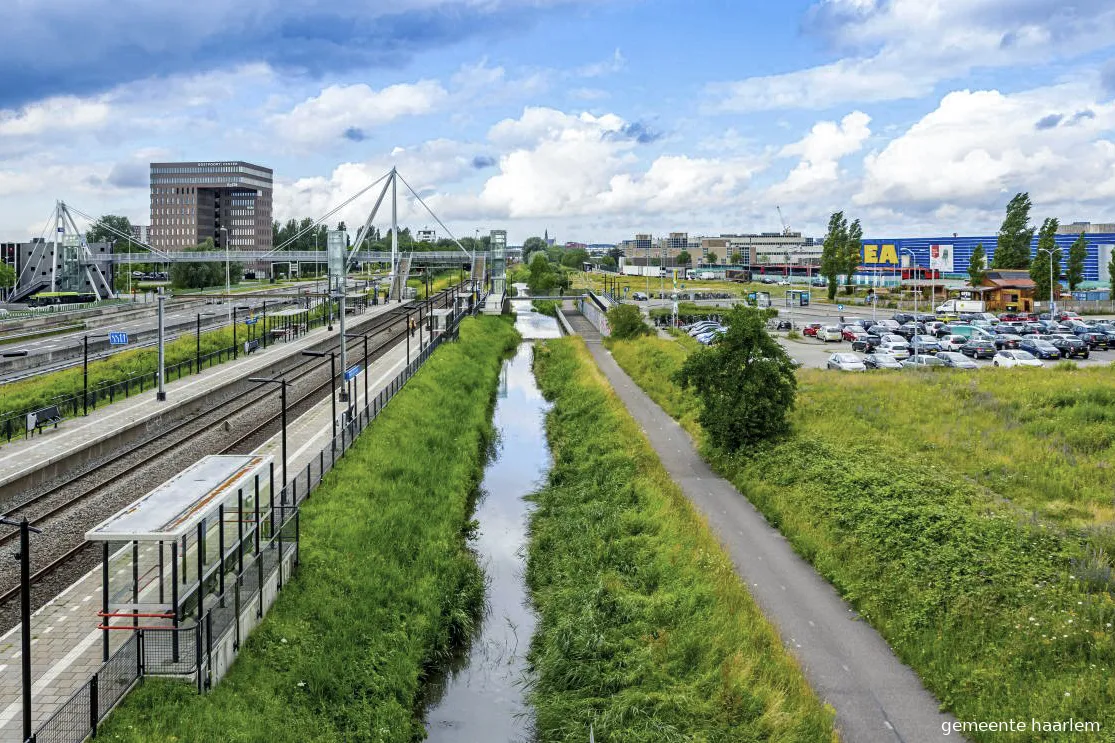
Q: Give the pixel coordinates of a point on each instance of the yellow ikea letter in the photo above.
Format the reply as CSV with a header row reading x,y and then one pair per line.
x,y
870,254
888,255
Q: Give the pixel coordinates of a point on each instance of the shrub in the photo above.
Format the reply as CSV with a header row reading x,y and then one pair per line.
x,y
626,322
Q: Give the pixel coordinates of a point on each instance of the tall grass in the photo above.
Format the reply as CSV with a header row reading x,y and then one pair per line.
x,y
386,582
645,631
922,499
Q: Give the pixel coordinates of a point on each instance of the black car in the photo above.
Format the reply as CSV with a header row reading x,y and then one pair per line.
x,y
978,348
902,317
1039,348
923,318
909,330
866,343
1006,341
1096,340
1069,345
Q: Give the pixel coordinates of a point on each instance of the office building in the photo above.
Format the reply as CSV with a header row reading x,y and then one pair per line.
x,y
195,201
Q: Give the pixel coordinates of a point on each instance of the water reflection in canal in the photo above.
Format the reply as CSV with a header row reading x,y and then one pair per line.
x,y
480,699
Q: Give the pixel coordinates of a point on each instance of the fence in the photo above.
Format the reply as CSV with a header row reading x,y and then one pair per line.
x,y
251,564
12,423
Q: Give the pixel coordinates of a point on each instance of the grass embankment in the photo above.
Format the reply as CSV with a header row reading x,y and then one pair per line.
x,y
40,390
386,583
645,630
962,514
548,307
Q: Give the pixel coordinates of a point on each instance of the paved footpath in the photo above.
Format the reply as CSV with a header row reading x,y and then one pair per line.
x,y
876,697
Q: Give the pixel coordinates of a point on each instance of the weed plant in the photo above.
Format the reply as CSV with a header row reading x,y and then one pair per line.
x,y
966,516
645,631
386,583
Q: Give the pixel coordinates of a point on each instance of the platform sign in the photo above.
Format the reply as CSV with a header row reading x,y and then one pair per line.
x,y
352,372
118,339
251,321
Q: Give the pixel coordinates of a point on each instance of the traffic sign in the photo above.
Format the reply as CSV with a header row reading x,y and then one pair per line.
x,y
840,307
352,372
251,321
118,339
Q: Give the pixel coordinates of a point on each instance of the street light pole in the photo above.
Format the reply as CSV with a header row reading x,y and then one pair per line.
x,y
1052,306
280,381
24,558
913,258
85,375
161,394
228,285
332,380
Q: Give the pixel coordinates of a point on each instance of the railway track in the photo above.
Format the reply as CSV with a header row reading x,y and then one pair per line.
x,y
59,501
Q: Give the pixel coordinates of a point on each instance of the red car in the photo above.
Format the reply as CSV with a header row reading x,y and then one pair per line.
x,y
849,332
812,328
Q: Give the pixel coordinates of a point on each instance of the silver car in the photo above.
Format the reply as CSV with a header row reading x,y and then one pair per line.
x,y
957,360
845,362
922,361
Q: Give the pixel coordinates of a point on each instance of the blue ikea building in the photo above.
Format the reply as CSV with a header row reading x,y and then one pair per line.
x,y
949,256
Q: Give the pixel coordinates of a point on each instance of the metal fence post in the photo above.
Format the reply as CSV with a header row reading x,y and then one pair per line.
x,y
94,704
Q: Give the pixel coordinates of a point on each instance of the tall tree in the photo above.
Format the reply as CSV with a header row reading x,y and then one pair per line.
x,y
108,229
1046,261
532,245
684,258
711,258
616,254
977,266
832,253
1012,249
737,258
853,241
745,382
1077,252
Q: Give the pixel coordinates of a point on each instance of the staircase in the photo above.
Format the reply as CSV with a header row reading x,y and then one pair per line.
x,y
402,273
478,271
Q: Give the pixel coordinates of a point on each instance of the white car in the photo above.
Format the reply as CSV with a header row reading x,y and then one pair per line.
x,y
1015,358
953,342
845,362
898,349
829,333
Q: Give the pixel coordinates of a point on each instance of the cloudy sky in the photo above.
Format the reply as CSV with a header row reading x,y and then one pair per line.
x,y
592,118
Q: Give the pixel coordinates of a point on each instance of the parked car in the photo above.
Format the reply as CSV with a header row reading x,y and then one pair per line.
x,y
1096,341
879,360
956,360
818,282
639,296
924,344
902,317
978,348
811,329
829,333
865,342
845,362
1039,348
849,332
922,361
953,342
1006,340
899,349
1016,358
702,327
1068,344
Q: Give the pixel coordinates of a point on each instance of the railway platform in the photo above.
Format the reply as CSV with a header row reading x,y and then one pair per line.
x,y
66,643
25,462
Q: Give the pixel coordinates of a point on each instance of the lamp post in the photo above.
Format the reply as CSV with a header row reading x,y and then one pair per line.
x,y
235,347
280,381
228,285
1052,305
332,380
365,337
197,357
161,394
24,557
85,365
913,258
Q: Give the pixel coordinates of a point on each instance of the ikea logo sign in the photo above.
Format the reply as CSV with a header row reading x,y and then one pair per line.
x,y
880,254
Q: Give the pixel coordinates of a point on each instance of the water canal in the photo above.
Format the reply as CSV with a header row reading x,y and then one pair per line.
x,y
480,697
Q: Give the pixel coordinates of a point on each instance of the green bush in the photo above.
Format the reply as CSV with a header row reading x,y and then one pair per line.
x,y
386,583
626,322
547,307
645,631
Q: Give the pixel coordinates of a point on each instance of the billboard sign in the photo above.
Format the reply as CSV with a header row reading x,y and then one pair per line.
x,y
940,258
